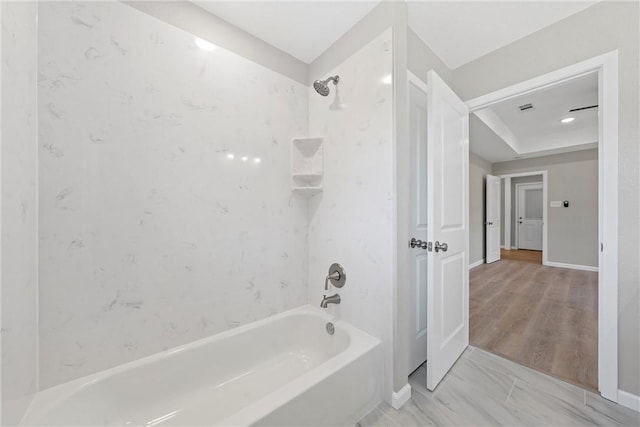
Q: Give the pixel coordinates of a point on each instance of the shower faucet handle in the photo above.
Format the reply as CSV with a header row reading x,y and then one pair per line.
x,y
336,275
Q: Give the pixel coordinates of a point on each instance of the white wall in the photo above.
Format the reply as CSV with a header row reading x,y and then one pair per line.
x,y
351,221
19,208
606,26
150,236
478,171
197,21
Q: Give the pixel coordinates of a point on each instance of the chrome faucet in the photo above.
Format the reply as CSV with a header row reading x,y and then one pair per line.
x,y
333,299
337,277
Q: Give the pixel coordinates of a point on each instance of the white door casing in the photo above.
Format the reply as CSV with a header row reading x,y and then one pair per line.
x,y
448,223
492,221
529,218
606,65
418,274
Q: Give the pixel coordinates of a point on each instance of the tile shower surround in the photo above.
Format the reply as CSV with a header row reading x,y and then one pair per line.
x,y
19,209
150,235
358,189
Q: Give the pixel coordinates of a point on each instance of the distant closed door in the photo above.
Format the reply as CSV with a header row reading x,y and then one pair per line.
x,y
529,216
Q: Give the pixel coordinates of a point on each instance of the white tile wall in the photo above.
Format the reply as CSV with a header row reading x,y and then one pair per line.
x,y
150,235
19,208
351,222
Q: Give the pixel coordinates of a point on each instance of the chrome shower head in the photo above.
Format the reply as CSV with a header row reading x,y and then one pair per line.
x,y
322,86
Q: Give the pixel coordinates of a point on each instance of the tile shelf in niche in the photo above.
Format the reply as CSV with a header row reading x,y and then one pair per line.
x,y
307,165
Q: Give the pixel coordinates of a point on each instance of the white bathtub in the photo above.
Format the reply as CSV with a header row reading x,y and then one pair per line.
x,y
283,370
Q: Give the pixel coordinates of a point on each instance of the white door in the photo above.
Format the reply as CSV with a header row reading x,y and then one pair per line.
x,y
492,222
418,275
530,216
448,225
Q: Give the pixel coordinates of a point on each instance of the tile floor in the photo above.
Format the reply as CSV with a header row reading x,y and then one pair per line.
x,y
483,389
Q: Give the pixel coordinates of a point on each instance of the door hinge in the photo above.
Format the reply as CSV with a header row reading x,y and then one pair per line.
x,y
601,247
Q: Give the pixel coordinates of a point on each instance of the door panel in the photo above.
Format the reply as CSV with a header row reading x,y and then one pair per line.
x,y
419,262
448,219
493,219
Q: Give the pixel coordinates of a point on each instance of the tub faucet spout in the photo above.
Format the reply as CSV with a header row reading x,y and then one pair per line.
x,y
333,299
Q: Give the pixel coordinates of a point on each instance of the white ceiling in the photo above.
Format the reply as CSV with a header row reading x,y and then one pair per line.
x,y
514,134
457,31
461,31
302,28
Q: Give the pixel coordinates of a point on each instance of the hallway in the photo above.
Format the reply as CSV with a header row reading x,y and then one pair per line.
x,y
542,317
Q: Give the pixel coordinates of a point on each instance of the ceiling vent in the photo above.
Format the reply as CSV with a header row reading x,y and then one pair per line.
x,y
526,107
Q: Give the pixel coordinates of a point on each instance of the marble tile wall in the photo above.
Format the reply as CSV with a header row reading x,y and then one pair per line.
x,y
19,208
351,222
165,206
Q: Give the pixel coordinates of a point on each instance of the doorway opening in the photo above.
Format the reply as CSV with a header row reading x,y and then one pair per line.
x,y
544,318
604,68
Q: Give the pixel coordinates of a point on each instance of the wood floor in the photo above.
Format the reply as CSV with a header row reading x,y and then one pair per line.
x,y
487,390
542,317
522,255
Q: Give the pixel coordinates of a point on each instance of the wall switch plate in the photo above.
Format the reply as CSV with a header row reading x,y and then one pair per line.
x,y
555,204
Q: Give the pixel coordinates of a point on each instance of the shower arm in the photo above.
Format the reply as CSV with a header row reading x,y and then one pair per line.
x,y
334,79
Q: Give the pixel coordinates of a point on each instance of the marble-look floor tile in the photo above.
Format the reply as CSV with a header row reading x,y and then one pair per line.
x,y
539,381
607,412
484,389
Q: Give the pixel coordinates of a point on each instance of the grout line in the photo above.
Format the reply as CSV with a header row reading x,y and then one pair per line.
x,y
511,391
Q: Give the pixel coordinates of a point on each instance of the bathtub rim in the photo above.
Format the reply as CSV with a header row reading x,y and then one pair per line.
x,y
360,343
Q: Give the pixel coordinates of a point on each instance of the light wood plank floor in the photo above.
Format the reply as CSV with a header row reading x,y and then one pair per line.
x,y
522,255
486,390
542,317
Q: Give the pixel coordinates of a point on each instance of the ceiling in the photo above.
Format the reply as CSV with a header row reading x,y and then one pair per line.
x,y
457,31
502,132
302,28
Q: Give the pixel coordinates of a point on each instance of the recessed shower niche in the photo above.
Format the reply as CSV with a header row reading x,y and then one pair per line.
x,y
307,165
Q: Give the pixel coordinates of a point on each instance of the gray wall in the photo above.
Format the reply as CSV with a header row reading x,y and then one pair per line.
x,y
421,59
19,208
572,231
601,28
478,170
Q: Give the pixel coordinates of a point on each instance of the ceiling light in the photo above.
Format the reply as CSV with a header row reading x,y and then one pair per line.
x,y
244,158
257,160
231,156
204,45
568,120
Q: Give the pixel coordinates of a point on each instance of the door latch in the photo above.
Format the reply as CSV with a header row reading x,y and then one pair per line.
x,y
414,243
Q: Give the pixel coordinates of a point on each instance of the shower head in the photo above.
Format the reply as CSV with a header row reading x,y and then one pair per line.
x,y
322,86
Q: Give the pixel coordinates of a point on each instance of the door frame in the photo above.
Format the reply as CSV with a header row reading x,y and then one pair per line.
x,y
414,80
545,209
606,66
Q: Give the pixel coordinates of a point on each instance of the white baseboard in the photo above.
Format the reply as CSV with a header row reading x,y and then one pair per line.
x,y
515,248
400,398
477,263
629,400
572,266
